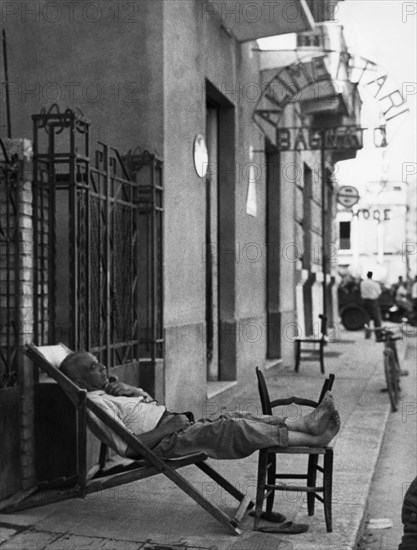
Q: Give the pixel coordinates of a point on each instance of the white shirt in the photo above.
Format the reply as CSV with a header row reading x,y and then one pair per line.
x,y
370,290
414,290
133,413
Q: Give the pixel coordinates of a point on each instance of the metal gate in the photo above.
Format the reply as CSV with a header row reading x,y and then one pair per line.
x,y
105,258
9,271
96,240
10,324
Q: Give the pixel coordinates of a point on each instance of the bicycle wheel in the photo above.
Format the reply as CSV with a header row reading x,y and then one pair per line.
x,y
395,352
392,378
397,367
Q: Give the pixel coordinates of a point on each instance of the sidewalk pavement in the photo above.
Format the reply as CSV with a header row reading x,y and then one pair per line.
x,y
155,514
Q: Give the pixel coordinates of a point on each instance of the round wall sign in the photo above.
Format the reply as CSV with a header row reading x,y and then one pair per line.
x,y
200,156
348,196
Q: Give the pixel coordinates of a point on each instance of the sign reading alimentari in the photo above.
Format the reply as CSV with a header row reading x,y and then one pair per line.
x,y
335,137
299,81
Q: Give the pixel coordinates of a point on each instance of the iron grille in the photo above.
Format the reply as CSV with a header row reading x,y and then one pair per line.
x,y
60,153
106,247
98,244
9,270
146,169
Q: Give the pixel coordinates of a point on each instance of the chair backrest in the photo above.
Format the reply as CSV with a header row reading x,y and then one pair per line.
x,y
54,354
323,324
268,405
327,386
263,393
49,358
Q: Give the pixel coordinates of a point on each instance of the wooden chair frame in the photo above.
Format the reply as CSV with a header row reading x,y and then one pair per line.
x,y
267,476
151,465
321,341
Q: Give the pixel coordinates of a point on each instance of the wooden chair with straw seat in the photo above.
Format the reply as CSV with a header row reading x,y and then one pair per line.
x,y
303,345
267,466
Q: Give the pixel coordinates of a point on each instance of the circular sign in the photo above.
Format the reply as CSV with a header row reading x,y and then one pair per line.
x,y
348,196
200,156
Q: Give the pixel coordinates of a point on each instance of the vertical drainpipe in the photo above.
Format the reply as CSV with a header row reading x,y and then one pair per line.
x,y
323,222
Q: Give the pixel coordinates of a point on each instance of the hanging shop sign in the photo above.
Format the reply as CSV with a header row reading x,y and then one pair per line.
x,y
340,138
311,80
347,196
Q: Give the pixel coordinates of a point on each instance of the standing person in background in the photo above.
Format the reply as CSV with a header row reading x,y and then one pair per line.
x,y
370,292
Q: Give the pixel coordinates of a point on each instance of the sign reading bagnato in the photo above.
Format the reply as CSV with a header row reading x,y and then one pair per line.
x,y
343,137
294,83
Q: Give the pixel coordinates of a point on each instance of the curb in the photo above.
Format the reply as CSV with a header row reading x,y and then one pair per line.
x,y
352,475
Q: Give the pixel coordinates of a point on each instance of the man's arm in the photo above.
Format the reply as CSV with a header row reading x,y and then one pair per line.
x,y
121,389
151,439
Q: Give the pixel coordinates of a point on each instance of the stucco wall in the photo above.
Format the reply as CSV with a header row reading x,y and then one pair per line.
x,y
140,76
197,48
103,57
184,229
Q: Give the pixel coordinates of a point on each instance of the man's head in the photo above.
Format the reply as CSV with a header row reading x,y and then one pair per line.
x,y
369,274
85,370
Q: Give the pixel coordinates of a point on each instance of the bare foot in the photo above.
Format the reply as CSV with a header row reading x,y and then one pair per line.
x,y
332,429
318,420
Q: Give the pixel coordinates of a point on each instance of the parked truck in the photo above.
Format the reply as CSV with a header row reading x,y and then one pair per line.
x,y
352,313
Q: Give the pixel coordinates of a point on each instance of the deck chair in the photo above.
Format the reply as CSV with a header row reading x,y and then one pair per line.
x,y
304,345
267,466
48,358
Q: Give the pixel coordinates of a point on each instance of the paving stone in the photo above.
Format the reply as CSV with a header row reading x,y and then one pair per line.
x,y
6,533
166,546
60,522
261,541
29,540
27,517
74,542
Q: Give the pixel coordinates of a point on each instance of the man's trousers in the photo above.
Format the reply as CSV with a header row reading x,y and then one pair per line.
x,y
373,310
231,435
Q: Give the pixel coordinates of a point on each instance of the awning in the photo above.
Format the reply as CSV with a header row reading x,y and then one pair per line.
x,y
253,19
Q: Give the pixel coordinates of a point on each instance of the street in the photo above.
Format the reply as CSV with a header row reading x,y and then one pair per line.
x,y
396,466
116,518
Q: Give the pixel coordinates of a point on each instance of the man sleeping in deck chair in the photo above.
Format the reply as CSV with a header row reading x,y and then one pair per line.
x,y
172,435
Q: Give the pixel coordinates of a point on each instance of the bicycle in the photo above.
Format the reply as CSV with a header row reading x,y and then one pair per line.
x,y
392,368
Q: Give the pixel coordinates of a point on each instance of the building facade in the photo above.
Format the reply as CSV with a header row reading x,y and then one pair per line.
x,y
159,224
385,211
308,111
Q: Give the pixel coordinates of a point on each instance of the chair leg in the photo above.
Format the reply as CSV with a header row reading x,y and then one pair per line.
x,y
260,489
297,355
328,483
322,357
272,468
311,482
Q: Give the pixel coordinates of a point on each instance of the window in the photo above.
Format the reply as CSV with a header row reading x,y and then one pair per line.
x,y
344,235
